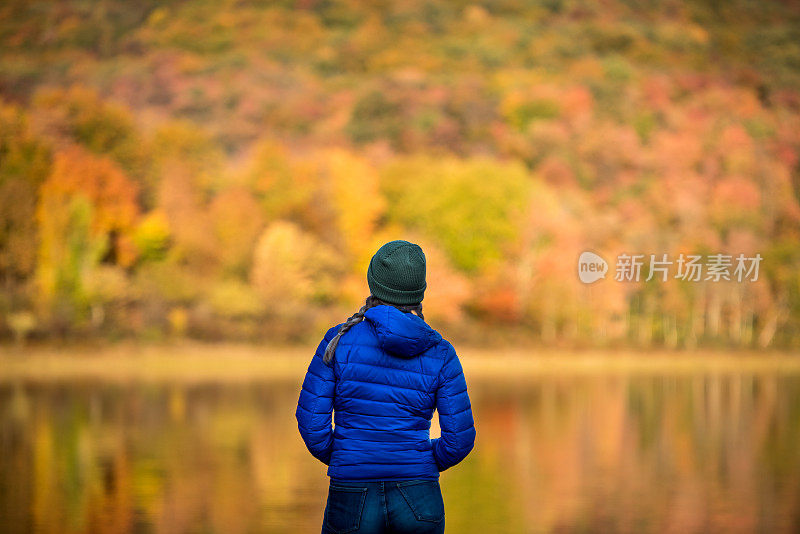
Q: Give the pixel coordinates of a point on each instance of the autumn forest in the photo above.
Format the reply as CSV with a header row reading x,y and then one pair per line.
x,y
225,170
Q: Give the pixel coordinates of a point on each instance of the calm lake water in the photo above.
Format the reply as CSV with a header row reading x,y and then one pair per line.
x,y
584,453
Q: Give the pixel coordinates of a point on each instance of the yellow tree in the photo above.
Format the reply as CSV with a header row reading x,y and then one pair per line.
x,y
292,268
353,190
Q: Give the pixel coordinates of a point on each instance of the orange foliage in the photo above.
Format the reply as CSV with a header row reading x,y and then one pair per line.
x,y
110,191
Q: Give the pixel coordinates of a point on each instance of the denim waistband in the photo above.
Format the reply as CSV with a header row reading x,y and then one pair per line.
x,y
350,482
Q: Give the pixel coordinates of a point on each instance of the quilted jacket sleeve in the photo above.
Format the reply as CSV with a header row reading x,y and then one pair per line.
x,y
315,405
455,414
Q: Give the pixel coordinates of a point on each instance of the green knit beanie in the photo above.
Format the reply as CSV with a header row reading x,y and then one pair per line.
x,y
396,273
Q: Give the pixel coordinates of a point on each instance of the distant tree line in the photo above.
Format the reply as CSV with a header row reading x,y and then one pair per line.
x,y
226,171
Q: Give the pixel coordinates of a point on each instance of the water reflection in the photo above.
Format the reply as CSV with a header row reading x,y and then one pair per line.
x,y
554,454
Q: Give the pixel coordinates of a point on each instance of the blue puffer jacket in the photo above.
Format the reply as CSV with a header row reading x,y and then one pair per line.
x,y
389,373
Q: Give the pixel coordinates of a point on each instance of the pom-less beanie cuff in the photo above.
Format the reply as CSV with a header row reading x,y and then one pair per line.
x,y
396,273
395,296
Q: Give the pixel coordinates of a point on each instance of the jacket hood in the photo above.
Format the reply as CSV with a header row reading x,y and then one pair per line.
x,y
400,333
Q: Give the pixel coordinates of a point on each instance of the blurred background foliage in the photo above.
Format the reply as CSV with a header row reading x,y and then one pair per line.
x,y
226,169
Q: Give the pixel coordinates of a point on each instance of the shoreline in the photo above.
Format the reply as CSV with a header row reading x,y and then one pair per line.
x,y
201,362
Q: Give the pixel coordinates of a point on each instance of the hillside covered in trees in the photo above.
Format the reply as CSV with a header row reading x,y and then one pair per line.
x,y
224,170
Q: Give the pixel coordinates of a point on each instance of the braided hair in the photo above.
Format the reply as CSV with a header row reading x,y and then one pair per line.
x,y
357,317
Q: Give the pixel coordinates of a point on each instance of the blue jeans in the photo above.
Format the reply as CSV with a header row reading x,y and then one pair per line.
x,y
396,506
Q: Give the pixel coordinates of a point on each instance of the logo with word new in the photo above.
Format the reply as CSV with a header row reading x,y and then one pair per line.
x,y
688,267
591,267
